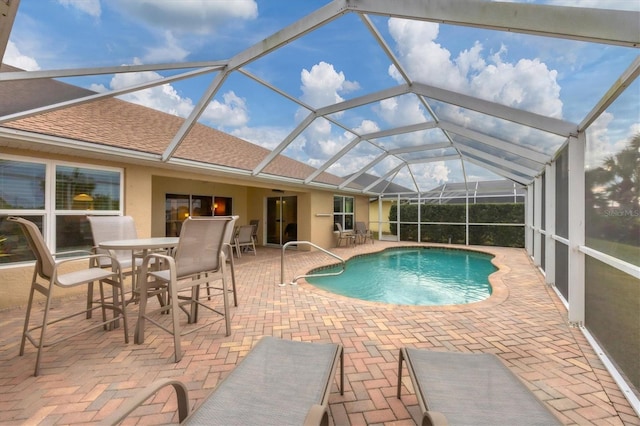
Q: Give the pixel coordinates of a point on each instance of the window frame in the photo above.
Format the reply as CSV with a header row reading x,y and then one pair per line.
x,y
341,215
50,213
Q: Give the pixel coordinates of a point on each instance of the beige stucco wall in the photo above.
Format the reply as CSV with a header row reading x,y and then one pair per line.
x,y
144,196
321,213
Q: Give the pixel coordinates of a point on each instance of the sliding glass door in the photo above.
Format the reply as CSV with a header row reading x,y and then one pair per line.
x,y
282,220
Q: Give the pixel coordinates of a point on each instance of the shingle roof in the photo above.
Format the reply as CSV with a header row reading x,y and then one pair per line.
x,y
117,123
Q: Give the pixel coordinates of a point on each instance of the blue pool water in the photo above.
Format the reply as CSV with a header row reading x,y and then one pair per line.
x,y
413,276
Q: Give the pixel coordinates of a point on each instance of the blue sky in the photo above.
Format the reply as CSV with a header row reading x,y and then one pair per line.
x,y
558,78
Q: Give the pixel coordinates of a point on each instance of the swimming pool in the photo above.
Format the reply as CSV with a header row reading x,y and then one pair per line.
x,y
413,276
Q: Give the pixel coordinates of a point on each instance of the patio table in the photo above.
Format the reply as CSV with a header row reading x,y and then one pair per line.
x,y
139,247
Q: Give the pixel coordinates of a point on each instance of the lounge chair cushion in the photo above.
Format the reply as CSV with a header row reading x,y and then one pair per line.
x,y
277,383
474,389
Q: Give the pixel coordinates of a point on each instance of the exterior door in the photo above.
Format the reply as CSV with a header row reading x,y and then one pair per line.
x,y
282,220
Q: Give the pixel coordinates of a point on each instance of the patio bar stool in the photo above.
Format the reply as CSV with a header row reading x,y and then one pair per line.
x,y
47,270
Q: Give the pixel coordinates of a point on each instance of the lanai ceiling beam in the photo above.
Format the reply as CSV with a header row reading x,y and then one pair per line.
x,y
530,119
119,69
400,130
275,89
498,160
364,100
435,159
522,151
291,98
363,170
8,12
285,143
497,170
615,27
386,175
420,148
355,141
618,87
307,24
380,134
109,94
299,28
383,44
413,178
197,111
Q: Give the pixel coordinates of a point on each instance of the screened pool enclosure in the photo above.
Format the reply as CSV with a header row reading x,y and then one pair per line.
x,y
459,103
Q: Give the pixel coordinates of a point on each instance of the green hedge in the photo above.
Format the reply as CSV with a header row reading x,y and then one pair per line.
x,y
491,235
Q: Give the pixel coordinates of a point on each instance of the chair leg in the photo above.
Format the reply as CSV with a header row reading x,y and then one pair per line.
x,y
123,306
195,295
233,282
138,334
106,326
225,299
118,306
176,322
27,318
89,300
43,330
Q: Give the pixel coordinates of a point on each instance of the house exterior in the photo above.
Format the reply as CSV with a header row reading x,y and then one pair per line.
x,y
101,157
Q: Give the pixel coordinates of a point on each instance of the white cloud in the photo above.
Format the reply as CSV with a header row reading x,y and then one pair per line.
x,y
199,16
423,59
400,111
431,174
90,7
366,126
265,136
171,51
527,84
319,142
14,57
231,112
323,84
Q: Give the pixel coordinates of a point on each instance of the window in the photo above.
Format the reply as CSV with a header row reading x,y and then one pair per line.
x,y
343,211
222,206
178,207
56,196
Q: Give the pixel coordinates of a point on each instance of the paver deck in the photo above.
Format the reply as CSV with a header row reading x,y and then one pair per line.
x,y
523,322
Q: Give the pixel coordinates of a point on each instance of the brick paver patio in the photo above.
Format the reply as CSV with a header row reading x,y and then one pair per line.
x,y
524,323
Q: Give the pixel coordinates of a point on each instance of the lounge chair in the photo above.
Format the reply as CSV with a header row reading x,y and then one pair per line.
x,y
280,382
470,389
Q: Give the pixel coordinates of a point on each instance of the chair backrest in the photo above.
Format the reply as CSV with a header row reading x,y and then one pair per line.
x,y
255,223
201,244
245,234
361,228
108,228
45,264
339,228
229,235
